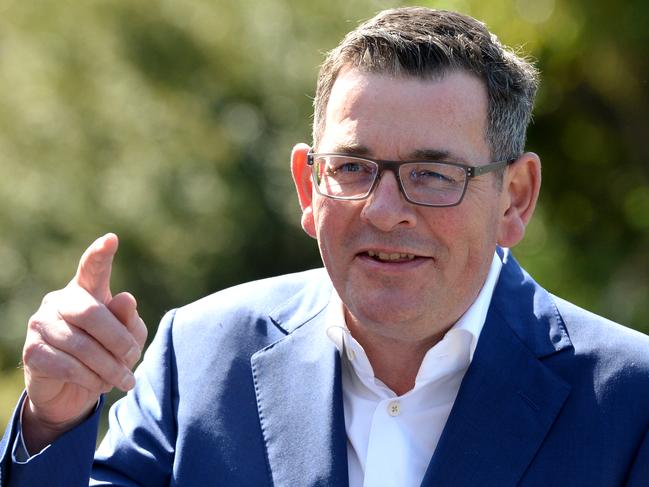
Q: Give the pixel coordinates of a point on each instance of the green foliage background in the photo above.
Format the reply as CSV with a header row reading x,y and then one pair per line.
x,y
171,124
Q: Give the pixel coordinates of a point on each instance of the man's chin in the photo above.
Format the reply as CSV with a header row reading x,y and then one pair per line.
x,y
381,311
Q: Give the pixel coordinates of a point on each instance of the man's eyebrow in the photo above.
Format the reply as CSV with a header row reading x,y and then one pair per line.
x,y
417,155
432,155
351,149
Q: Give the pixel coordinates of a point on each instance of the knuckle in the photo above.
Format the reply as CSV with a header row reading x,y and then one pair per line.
x,y
44,328
77,343
90,312
50,297
33,352
28,353
35,322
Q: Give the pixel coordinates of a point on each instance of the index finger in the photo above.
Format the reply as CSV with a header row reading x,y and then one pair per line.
x,y
95,267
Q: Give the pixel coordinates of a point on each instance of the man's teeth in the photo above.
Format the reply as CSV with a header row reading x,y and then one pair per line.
x,y
390,257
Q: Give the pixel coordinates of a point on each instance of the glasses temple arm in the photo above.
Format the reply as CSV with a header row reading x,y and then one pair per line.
x,y
475,171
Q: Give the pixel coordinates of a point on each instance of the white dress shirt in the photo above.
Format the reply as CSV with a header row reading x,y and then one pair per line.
x,y
390,438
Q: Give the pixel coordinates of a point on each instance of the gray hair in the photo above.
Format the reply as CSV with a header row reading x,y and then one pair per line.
x,y
427,43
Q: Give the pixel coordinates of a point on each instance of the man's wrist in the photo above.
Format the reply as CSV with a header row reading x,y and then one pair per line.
x,y
36,434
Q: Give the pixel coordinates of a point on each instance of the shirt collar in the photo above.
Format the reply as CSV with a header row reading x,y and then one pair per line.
x,y
474,317
469,326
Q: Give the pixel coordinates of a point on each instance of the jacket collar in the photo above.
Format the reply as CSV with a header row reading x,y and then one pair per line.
x,y
299,395
528,310
506,405
508,399
304,305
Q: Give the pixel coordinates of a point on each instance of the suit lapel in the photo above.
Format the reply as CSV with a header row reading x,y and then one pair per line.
x,y
508,399
505,407
299,397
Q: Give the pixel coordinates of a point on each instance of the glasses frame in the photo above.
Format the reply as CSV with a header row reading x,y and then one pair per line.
x,y
393,166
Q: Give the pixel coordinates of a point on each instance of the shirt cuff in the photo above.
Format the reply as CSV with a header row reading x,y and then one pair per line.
x,y
21,454
20,451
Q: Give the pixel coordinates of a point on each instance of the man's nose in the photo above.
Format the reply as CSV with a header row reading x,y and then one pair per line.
x,y
386,208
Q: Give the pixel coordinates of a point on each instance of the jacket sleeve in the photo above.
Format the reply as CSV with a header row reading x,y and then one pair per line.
x,y
138,449
66,462
639,473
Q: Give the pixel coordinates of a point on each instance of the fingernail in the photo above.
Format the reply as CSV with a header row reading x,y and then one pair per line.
x,y
133,355
128,381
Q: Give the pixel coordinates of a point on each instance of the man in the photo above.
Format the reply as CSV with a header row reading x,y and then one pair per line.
x,y
423,355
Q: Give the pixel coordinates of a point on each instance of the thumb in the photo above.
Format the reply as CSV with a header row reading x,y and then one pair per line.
x,y
95,266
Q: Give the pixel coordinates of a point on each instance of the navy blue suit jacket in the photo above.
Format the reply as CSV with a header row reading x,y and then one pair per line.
x,y
243,388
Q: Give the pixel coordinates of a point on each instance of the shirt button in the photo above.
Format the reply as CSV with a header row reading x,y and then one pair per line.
x,y
394,408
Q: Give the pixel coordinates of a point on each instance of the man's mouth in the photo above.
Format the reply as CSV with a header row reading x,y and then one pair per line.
x,y
390,257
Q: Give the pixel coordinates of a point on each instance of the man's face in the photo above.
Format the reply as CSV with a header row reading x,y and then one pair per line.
x,y
367,246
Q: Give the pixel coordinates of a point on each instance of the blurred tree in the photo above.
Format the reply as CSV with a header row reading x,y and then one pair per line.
x,y
171,123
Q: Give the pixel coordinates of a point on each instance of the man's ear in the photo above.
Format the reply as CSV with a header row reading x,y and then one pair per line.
x,y
521,186
303,184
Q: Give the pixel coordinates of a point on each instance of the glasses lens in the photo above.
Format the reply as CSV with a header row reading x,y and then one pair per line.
x,y
433,183
343,176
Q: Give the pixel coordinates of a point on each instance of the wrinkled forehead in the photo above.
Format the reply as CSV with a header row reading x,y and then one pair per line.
x,y
397,115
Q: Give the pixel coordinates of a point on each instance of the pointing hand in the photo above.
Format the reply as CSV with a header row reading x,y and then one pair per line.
x,y
81,342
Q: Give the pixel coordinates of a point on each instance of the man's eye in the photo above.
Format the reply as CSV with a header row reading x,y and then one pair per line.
x,y
426,175
351,167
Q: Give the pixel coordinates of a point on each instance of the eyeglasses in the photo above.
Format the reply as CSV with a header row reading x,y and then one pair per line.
x,y
426,183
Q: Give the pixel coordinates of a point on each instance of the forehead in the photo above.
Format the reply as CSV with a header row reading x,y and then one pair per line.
x,y
391,117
